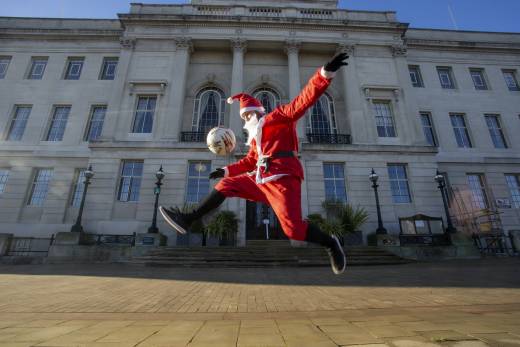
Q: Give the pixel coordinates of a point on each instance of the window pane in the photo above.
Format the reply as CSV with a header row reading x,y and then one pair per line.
x,y
74,69
478,191
40,187
4,175
334,180
513,182
130,180
495,131
58,123
384,119
143,122
79,187
478,79
445,78
197,185
18,123
460,130
399,183
209,117
95,126
4,64
509,76
37,69
109,68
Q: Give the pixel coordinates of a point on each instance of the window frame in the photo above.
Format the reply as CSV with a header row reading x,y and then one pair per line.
x,y
377,117
197,110
5,60
134,184
466,130
431,127
32,66
71,61
86,136
481,75
449,74
202,176
416,70
515,196
47,180
512,72
104,68
148,114
483,189
78,187
398,180
330,116
499,129
335,179
13,120
53,119
3,179
273,93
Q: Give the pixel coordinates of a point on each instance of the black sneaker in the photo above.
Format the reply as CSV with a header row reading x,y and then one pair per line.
x,y
175,218
338,261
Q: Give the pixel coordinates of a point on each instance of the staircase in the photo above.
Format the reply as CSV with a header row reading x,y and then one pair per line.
x,y
272,253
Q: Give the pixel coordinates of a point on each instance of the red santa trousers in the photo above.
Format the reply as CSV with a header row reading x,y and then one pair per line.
x,y
283,195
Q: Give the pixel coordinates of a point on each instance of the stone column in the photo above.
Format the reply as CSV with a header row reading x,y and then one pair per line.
x,y
292,48
238,47
183,49
359,123
114,108
409,110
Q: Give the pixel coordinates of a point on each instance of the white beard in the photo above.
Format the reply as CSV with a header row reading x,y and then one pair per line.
x,y
252,129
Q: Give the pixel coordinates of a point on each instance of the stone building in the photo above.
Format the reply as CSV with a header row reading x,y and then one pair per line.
x,y
129,95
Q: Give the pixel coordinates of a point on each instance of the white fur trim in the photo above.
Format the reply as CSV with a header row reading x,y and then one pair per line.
x,y
327,74
252,108
272,178
226,171
230,100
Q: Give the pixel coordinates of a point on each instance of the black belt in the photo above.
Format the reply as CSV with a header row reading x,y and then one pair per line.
x,y
265,160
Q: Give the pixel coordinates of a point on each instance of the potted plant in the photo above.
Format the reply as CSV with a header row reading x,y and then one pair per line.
x,y
224,223
352,219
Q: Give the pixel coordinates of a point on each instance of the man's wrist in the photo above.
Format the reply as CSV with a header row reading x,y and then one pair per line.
x,y
327,74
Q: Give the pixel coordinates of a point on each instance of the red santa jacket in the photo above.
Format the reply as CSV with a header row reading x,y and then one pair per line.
x,y
277,133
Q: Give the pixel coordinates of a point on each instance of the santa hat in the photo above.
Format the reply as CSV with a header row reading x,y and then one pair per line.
x,y
247,103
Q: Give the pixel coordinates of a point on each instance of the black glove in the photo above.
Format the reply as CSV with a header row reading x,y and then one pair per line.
x,y
217,174
336,62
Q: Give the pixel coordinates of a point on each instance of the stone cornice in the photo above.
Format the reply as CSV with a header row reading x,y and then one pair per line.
x,y
462,45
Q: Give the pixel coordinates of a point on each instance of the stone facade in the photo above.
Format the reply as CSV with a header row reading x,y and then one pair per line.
x,y
172,52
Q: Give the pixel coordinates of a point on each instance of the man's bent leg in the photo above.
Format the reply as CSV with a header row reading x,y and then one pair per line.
x,y
243,186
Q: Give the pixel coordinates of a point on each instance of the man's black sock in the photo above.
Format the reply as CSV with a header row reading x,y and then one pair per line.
x,y
210,202
315,235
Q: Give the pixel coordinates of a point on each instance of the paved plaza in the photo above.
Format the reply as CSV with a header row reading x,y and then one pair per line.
x,y
454,303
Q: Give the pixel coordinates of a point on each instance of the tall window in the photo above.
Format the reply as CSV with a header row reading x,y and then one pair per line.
x,y
58,123
495,130
477,186
511,81
334,178
78,188
144,114
18,123
384,119
209,109
415,76
197,185
108,69
513,182
461,131
399,183
4,175
269,98
446,77
40,187
37,68
323,120
74,67
428,129
95,123
4,64
130,181
477,75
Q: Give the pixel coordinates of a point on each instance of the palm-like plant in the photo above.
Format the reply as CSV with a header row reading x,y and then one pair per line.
x,y
223,223
342,218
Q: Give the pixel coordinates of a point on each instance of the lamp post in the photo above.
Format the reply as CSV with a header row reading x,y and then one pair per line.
x,y
373,177
160,175
88,175
440,180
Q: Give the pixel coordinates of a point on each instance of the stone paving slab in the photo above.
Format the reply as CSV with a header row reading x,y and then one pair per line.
x,y
449,304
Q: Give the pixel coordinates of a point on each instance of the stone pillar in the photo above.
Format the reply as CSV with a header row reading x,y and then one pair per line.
x,y
114,107
238,47
292,48
183,49
359,123
409,120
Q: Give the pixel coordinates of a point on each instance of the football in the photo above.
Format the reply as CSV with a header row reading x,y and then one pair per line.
x,y
221,141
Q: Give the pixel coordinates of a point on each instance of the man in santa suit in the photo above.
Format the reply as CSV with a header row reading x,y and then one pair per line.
x,y
271,172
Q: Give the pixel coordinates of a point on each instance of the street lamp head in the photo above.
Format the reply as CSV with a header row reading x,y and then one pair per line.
x,y
373,177
89,173
160,174
438,177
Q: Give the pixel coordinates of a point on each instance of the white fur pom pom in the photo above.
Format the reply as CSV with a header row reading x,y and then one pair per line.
x,y
230,100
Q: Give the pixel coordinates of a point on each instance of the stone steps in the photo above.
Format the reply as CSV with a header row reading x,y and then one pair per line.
x,y
261,254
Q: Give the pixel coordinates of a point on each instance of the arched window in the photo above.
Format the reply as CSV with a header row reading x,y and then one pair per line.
x,y
209,109
322,119
269,98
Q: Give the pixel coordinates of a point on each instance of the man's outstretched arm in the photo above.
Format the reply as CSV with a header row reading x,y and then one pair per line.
x,y
316,86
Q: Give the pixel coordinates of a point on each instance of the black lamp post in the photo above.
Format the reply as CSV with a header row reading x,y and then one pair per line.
x,y
373,178
160,175
440,180
88,175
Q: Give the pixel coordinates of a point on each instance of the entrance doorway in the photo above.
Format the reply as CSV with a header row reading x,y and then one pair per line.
x,y
256,213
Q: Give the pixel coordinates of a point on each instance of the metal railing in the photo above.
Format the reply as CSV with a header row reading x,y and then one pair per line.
x,y
109,239
495,244
30,246
340,139
193,136
429,240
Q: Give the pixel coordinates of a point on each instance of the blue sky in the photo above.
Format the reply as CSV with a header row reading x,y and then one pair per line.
x,y
482,15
